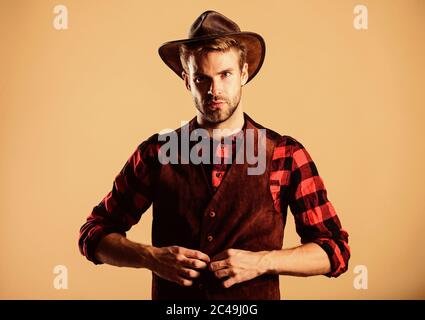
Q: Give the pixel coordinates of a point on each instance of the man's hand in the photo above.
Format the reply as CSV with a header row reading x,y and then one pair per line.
x,y
177,264
238,265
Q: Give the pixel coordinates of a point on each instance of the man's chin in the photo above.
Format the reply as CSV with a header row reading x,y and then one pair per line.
x,y
217,117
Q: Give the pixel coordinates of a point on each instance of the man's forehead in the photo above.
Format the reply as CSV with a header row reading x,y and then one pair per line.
x,y
215,59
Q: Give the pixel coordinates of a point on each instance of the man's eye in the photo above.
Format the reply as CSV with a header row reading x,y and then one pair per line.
x,y
227,74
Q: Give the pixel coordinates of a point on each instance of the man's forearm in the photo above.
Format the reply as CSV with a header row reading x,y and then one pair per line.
x,y
117,250
173,263
306,260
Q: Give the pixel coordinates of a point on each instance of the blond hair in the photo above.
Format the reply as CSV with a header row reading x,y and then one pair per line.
x,y
221,44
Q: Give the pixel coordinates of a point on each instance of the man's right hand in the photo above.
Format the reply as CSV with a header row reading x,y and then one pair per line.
x,y
177,264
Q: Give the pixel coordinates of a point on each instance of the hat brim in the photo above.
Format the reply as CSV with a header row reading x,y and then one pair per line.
x,y
254,43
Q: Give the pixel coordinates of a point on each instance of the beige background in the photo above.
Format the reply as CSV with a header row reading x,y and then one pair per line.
x,y
76,103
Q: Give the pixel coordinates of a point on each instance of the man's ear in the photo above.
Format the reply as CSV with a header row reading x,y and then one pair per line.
x,y
185,77
244,74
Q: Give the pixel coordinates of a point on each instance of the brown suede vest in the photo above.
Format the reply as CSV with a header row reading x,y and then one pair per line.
x,y
245,218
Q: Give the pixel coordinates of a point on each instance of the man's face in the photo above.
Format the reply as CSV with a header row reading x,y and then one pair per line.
x,y
215,81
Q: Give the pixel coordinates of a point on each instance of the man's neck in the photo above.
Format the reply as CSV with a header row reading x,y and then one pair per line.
x,y
232,125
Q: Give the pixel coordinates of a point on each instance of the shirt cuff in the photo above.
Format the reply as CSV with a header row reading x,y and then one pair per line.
x,y
329,246
88,249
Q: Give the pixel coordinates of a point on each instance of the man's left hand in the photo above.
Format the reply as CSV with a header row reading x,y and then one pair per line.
x,y
238,265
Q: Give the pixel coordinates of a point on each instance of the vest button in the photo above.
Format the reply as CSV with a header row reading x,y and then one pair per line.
x,y
212,214
210,238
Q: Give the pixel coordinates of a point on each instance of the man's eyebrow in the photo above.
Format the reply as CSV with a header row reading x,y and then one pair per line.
x,y
220,72
226,70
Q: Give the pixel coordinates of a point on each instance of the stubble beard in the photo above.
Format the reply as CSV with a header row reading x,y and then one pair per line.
x,y
218,115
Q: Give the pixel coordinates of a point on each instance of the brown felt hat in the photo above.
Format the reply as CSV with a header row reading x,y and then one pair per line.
x,y
210,25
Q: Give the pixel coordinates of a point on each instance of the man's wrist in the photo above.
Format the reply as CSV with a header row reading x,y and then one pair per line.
x,y
266,262
145,253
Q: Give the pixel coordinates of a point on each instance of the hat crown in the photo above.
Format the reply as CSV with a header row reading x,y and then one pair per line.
x,y
212,23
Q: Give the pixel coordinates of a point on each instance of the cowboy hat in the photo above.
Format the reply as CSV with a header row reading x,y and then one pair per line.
x,y
211,25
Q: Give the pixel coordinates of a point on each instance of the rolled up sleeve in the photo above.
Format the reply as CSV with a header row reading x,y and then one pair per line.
x,y
131,195
315,217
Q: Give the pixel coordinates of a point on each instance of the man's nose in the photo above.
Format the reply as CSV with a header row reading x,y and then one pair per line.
x,y
215,87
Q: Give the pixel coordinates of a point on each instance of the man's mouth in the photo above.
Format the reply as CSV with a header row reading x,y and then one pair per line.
x,y
216,104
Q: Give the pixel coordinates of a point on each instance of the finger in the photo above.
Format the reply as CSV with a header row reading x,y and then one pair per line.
x,y
189,273
195,254
182,260
193,263
217,265
184,282
229,282
224,273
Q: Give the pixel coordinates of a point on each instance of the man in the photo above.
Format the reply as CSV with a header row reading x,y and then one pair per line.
x,y
217,230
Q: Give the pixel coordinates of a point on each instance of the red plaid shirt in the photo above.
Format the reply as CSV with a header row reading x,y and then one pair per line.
x,y
294,182
225,154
